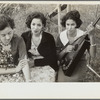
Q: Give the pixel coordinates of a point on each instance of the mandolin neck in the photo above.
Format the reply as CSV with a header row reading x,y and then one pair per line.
x,y
95,22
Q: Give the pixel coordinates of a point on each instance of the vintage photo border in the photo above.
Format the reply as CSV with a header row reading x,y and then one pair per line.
x,y
50,90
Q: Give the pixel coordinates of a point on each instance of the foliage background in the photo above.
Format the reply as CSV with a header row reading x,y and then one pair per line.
x,y
89,13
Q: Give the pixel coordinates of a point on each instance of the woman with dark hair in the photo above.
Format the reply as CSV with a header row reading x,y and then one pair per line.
x,y
41,49
13,55
72,22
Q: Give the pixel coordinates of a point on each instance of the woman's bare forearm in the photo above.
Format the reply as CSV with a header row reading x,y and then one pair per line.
x,y
7,71
61,54
26,73
92,47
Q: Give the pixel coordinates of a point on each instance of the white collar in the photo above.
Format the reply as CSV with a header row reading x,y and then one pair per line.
x,y
64,38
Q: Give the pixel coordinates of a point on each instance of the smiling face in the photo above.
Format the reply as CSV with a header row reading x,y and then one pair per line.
x,y
6,35
36,26
71,25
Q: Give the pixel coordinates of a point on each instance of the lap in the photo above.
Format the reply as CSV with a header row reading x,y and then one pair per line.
x,y
9,78
77,76
42,74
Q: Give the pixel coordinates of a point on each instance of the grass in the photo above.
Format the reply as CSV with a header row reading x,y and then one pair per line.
x,y
95,65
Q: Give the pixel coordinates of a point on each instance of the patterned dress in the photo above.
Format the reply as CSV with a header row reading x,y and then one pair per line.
x,y
6,62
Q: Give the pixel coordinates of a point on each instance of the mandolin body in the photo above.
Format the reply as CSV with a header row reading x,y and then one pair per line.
x,y
71,60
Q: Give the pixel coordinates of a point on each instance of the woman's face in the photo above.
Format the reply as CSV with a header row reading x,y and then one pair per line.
x,y
70,25
36,26
6,35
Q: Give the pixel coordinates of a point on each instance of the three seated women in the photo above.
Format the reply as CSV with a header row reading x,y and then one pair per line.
x,y
38,50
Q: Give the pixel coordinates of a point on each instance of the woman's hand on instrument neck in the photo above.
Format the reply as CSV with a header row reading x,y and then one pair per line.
x,y
98,26
90,30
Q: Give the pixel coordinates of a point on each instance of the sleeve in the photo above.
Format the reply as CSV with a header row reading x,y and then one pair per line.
x,y
21,48
88,41
50,57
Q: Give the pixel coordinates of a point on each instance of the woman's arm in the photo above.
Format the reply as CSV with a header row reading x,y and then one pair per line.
x,y
26,72
11,70
7,71
92,47
61,54
25,69
23,59
91,32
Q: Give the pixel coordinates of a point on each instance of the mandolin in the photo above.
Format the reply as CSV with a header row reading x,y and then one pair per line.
x,y
70,60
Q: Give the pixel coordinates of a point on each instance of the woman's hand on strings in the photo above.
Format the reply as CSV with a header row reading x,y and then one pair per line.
x,y
69,48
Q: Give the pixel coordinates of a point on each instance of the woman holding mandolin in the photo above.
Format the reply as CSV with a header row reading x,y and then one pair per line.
x,y
65,44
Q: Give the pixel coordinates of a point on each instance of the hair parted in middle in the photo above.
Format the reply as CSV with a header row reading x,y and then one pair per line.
x,y
74,15
33,15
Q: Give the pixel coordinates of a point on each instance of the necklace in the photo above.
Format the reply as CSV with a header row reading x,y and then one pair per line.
x,y
36,40
6,47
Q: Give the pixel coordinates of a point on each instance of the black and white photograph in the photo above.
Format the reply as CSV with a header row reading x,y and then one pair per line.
x,y
46,45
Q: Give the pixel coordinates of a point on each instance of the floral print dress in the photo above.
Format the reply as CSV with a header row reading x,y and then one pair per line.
x,y
6,62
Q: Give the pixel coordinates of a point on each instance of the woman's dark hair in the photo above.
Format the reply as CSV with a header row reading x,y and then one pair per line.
x,y
6,21
74,15
35,15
